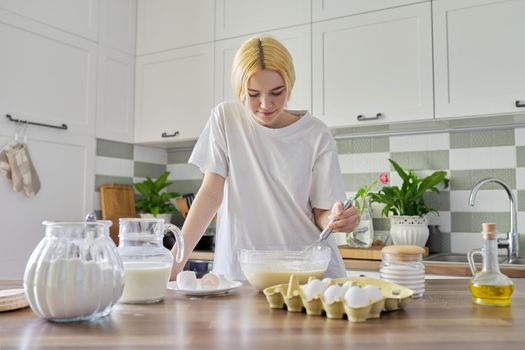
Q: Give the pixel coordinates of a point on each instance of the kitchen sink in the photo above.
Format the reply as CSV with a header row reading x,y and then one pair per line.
x,y
462,258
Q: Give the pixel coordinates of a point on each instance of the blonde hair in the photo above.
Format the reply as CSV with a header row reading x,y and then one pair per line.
x,y
260,53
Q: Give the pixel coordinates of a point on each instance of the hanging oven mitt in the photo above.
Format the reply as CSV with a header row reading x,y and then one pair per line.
x,y
5,168
23,173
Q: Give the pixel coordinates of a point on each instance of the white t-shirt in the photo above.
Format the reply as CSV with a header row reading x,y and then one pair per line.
x,y
274,177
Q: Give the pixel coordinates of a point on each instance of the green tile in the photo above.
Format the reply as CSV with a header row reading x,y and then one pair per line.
x,y
381,224
352,182
114,149
521,201
178,157
438,201
465,180
422,160
483,138
363,145
185,186
471,222
142,169
116,180
520,156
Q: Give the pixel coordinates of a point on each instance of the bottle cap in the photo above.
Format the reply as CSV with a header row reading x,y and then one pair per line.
x,y
489,230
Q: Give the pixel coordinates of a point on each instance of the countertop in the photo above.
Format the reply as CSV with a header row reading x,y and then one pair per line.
x,y
444,318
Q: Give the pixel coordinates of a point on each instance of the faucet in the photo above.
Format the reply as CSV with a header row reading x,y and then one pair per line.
x,y
512,242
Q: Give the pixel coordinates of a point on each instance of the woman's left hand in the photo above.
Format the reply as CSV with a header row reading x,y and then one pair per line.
x,y
343,220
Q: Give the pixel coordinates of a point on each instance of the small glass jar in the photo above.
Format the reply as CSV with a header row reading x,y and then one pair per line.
x,y
403,265
147,263
74,273
363,235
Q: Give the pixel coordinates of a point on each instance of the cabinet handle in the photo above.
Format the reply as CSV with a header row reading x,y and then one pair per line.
x,y
362,118
164,134
520,103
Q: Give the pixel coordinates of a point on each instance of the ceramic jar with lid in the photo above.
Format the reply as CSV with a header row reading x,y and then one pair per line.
x,y
147,263
75,272
403,265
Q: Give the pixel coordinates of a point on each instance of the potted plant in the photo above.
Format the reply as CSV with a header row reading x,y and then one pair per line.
x,y
155,201
409,220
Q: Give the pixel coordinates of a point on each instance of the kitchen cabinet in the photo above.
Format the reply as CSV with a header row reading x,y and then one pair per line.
x,y
169,24
478,57
296,40
374,68
48,75
78,17
64,163
241,17
115,103
116,70
326,9
118,24
174,94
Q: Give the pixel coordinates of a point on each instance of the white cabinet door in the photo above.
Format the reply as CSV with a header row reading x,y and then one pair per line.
x,y
168,24
374,68
47,75
479,57
118,21
296,40
326,9
78,17
174,94
115,95
242,17
65,165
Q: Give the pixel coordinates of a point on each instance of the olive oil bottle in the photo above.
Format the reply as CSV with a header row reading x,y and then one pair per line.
x,y
489,286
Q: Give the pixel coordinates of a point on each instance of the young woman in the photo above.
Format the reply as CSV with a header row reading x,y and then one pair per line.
x,y
271,174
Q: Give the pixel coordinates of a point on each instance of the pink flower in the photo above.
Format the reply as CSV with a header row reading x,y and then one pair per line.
x,y
383,178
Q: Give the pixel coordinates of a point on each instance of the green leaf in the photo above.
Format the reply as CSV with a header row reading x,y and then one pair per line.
x,y
155,199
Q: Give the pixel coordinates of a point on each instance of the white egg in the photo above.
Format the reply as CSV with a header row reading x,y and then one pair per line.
x,y
347,285
333,292
356,297
374,293
187,280
327,281
313,288
210,281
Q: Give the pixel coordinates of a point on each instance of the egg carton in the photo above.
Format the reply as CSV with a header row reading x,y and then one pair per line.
x,y
292,296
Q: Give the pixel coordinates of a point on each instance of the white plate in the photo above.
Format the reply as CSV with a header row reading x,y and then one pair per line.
x,y
201,292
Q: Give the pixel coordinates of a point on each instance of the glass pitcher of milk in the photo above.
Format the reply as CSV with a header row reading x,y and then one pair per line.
x,y
147,263
75,272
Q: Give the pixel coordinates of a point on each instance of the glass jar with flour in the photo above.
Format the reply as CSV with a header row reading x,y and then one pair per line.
x,y
147,264
75,272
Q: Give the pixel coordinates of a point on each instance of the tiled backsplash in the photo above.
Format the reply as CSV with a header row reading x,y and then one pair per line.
x,y
124,163
467,156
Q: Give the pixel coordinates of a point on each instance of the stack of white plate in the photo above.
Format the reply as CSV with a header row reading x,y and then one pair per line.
x,y
406,276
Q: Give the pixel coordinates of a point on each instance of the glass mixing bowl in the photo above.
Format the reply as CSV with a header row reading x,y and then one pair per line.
x,y
265,268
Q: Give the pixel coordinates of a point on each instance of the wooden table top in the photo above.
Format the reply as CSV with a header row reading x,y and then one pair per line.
x,y
444,318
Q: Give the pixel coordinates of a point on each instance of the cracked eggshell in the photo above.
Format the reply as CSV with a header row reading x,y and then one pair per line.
x,y
210,281
187,280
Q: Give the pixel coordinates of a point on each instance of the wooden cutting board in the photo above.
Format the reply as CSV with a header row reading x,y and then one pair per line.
x,y
372,253
117,201
12,299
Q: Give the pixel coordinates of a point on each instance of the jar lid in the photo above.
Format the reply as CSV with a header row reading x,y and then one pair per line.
x,y
403,249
